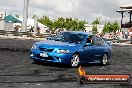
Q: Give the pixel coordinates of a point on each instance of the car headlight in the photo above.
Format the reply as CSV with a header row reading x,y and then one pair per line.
x,y
62,51
34,47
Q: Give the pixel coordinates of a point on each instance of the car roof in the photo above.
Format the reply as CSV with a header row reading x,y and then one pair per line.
x,y
78,32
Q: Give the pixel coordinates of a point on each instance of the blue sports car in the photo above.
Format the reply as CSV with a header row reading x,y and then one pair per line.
x,y
73,48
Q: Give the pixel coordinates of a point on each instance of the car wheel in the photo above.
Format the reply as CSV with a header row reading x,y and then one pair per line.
x,y
75,60
104,60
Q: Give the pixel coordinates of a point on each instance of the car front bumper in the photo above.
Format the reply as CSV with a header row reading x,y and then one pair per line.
x,y
52,57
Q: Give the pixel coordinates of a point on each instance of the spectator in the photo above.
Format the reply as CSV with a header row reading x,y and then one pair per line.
x,y
16,28
110,35
123,34
130,34
126,35
31,29
38,30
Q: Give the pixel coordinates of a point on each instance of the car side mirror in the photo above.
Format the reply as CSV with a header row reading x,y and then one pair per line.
x,y
88,44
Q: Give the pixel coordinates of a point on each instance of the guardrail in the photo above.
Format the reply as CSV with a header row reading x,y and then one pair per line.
x,y
13,33
117,40
26,34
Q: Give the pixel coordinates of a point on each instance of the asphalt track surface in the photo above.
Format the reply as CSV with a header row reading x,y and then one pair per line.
x,y
17,70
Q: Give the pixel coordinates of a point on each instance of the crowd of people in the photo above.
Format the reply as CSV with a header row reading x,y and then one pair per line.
x,y
121,34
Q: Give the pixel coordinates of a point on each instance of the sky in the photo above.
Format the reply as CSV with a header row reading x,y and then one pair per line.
x,y
80,9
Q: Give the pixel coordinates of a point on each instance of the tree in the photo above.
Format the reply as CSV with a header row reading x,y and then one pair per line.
x,y
34,16
95,22
46,21
68,23
60,22
106,28
94,29
116,26
111,27
81,25
74,24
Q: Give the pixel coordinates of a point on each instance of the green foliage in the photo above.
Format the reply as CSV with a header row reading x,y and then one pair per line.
x,y
81,25
94,29
34,16
46,21
116,26
111,27
74,24
105,29
67,23
95,21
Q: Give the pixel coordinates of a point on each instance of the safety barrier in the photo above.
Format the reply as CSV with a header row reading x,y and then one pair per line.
x,y
117,40
25,34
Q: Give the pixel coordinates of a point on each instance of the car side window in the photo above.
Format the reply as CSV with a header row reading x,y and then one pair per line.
x,y
97,40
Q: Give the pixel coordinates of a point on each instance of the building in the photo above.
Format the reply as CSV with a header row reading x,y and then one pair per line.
x,y
126,9
127,26
2,15
89,27
6,23
33,23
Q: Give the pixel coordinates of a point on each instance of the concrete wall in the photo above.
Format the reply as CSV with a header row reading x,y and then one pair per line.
x,y
8,26
2,25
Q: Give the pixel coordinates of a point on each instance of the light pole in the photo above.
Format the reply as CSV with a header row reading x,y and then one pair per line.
x,y
99,21
36,23
25,15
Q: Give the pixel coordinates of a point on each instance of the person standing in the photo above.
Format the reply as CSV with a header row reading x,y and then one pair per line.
x,y
130,34
126,35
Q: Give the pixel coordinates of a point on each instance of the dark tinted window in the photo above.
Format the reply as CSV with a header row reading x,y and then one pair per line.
x,y
97,40
69,37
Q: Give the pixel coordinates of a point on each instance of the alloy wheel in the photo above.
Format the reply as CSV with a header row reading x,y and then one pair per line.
x,y
104,60
75,60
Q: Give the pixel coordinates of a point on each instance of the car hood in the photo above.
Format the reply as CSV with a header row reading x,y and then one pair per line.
x,y
57,44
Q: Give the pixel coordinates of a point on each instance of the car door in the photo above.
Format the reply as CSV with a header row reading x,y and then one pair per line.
x,y
98,50
87,52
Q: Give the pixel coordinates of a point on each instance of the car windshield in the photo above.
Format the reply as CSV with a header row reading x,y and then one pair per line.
x,y
69,37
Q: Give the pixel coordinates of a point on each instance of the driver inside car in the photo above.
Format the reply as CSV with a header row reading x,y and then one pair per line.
x,y
89,40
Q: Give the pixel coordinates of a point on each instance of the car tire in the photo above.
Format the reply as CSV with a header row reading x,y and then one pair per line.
x,y
104,60
75,60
